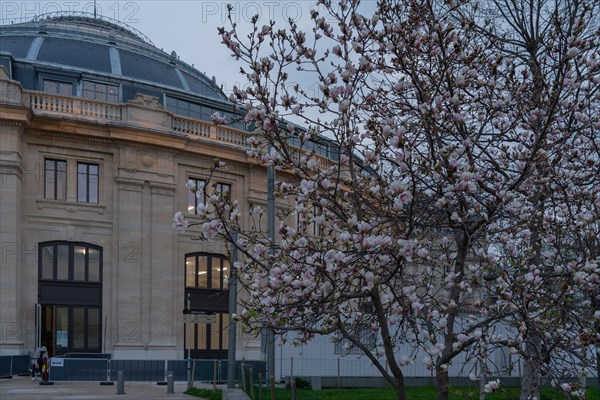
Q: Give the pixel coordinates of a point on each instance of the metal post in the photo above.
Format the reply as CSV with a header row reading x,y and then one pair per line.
x,y
271,228
170,383
243,378
251,379
338,372
189,338
214,374
293,388
232,310
120,382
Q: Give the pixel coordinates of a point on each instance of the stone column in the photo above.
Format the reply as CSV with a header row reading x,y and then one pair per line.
x,y
163,272
127,277
12,245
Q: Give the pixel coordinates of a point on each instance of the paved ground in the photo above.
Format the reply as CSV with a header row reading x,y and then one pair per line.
x,y
23,388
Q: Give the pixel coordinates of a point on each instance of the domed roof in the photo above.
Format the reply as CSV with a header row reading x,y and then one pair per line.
x,y
82,42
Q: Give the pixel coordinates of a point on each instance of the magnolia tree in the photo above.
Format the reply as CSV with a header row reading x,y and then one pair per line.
x,y
462,170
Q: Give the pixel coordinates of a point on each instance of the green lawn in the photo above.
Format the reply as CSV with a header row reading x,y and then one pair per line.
x,y
415,393
207,394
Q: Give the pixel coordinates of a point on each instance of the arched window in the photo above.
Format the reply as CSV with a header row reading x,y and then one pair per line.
x,y
70,261
70,297
206,271
207,305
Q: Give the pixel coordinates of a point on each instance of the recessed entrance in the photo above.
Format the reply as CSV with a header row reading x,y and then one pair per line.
x,y
69,313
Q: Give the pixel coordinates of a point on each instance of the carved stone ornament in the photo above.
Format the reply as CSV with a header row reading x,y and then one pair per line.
x,y
146,101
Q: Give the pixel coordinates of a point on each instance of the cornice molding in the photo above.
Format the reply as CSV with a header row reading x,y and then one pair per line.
x,y
163,188
6,122
129,183
11,167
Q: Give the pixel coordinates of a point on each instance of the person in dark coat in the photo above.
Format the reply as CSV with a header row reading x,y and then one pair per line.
x,y
40,366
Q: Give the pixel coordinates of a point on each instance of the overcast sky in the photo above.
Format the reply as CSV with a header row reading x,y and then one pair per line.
x,y
187,27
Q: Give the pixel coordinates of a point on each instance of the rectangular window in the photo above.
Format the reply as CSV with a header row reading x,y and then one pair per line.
x,y
62,262
202,272
215,280
62,330
55,179
223,189
58,87
195,198
93,323
78,328
100,92
87,182
315,225
79,263
48,262
190,272
184,108
93,265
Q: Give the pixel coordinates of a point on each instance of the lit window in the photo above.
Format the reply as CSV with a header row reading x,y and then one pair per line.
x,y
65,261
206,271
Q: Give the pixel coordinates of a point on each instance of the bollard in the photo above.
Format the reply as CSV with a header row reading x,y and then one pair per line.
x,y
215,375
120,382
170,383
243,379
251,379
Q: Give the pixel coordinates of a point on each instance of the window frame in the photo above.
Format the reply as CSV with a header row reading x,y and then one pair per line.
x,y
192,195
70,261
224,265
55,178
219,189
88,182
60,83
84,90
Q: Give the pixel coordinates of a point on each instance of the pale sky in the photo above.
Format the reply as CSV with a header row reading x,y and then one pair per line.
x,y
187,27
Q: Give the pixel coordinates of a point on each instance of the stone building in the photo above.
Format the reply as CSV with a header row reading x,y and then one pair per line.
x,y
99,133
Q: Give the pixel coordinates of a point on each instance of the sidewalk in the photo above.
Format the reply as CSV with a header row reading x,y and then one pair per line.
x,y
23,388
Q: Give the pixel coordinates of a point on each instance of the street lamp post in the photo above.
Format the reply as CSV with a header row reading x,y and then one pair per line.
x,y
270,342
189,357
232,310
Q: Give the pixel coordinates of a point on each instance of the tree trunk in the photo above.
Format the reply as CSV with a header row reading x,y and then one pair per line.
x,y
530,382
443,383
598,366
400,394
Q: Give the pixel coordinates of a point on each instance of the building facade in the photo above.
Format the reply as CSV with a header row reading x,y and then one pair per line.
x,y
99,133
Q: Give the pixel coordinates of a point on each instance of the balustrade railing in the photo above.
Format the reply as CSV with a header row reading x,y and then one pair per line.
x,y
50,104
45,102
